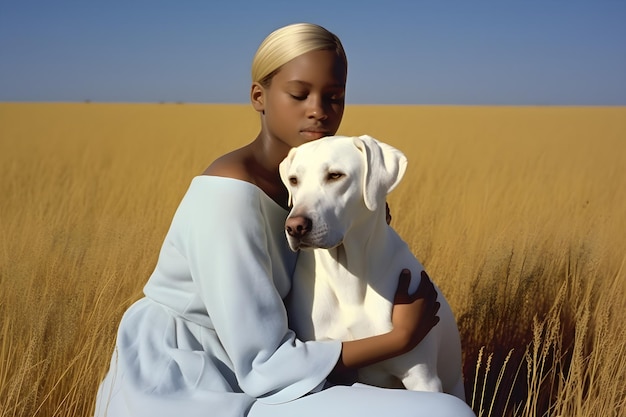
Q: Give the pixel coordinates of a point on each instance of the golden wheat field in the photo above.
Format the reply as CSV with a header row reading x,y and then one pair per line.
x,y
518,213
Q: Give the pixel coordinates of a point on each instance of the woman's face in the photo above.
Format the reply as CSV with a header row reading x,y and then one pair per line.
x,y
305,99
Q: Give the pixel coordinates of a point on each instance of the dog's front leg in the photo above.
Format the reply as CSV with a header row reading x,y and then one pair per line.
x,y
422,377
418,368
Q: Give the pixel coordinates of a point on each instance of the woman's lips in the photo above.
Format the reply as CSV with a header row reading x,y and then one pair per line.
x,y
313,134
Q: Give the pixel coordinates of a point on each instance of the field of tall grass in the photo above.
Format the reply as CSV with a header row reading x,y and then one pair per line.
x,y
519,215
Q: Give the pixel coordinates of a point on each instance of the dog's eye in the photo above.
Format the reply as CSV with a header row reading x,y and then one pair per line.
x,y
333,176
293,180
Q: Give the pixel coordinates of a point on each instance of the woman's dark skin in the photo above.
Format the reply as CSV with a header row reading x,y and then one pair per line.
x,y
304,101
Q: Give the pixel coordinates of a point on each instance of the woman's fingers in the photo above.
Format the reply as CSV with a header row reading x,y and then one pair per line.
x,y
402,293
426,289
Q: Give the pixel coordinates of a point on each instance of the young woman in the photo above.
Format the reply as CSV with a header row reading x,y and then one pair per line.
x,y
210,337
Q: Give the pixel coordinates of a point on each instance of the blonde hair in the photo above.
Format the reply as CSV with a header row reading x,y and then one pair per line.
x,y
289,42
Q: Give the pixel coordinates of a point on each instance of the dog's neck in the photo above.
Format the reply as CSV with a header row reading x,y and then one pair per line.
x,y
360,253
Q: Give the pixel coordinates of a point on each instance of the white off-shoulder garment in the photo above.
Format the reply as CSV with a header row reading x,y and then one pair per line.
x,y
210,337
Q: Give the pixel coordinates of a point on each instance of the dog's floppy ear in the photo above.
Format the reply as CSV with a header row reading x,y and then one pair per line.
x,y
283,169
384,168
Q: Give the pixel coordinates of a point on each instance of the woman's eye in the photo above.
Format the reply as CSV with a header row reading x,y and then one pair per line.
x,y
336,99
333,176
299,97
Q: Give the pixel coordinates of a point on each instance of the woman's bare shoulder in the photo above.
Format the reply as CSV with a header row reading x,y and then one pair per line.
x,y
230,165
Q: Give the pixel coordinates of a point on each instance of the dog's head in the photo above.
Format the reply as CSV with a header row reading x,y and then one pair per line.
x,y
334,183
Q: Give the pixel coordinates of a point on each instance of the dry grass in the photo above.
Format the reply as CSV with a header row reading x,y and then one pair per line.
x,y
519,214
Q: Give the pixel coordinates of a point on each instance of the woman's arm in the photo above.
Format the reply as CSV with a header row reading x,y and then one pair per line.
x,y
224,233
413,316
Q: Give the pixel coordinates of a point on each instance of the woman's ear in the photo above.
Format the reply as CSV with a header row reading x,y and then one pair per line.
x,y
257,97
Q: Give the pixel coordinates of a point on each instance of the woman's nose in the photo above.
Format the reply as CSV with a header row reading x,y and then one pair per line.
x,y
316,110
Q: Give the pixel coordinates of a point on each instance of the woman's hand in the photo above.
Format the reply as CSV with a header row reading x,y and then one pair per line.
x,y
414,315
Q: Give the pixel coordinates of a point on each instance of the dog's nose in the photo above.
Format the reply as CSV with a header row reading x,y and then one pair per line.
x,y
298,226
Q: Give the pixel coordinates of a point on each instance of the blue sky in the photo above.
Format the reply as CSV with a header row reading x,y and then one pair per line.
x,y
549,52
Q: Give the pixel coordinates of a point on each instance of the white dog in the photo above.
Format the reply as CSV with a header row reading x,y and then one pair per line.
x,y
344,288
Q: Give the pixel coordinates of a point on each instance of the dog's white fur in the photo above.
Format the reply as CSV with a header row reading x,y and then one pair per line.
x,y
344,288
